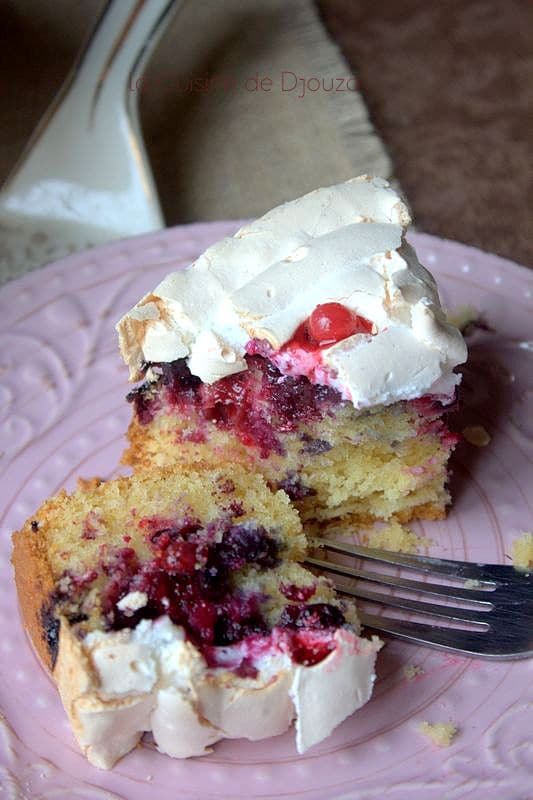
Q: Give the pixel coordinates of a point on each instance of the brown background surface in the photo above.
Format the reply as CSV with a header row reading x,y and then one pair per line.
x,y
449,86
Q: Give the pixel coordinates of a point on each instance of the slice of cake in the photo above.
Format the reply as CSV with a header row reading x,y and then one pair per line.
x,y
174,603
310,347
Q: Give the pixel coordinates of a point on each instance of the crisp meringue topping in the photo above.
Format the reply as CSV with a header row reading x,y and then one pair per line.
x,y
341,244
116,685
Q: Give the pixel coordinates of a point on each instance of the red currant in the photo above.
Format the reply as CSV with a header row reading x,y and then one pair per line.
x,y
332,322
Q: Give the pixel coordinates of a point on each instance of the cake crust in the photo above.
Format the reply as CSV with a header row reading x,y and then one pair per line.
x,y
34,581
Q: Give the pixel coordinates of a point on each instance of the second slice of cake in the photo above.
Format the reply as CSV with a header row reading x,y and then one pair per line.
x,y
310,347
174,603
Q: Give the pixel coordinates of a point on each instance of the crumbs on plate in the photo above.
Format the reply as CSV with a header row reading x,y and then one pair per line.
x,y
411,671
476,435
522,552
463,316
441,734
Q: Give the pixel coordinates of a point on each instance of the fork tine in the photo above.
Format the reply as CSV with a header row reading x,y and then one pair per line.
x,y
472,643
418,606
504,598
476,596
441,566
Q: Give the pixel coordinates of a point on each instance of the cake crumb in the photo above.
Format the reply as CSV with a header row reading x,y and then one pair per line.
x,y
468,319
471,583
476,435
394,536
462,317
523,552
411,671
441,733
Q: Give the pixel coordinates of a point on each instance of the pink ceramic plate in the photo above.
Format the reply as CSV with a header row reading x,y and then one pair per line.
x,y
63,414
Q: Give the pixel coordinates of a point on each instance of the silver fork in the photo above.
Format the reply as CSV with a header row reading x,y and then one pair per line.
x,y
500,600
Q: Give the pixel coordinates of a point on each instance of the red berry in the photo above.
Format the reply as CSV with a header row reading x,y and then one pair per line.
x,y
332,322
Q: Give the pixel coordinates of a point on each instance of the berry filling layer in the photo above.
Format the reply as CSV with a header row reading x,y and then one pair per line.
x,y
257,405
260,405
193,577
